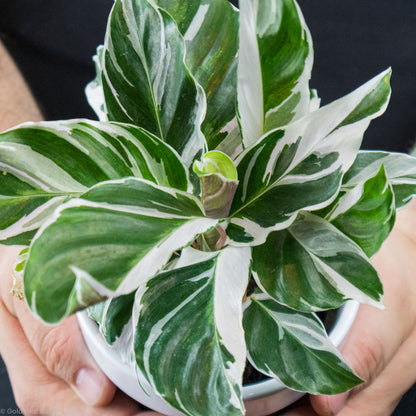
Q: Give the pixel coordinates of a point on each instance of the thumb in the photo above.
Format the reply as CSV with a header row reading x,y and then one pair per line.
x,y
367,349
372,343
61,348
63,351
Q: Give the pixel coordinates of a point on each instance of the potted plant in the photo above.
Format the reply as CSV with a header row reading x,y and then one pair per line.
x,y
214,208
261,395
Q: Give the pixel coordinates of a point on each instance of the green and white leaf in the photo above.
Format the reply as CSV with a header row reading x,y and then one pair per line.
x,y
211,50
275,62
366,213
45,164
300,167
145,79
315,100
400,169
232,143
198,329
268,199
107,244
112,316
94,90
313,266
294,348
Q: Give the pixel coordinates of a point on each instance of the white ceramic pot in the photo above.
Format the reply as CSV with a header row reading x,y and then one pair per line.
x,y
261,399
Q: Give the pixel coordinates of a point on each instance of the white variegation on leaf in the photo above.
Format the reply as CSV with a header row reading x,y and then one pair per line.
x,y
366,213
198,328
44,164
339,126
313,266
212,63
144,56
94,90
119,235
294,348
300,166
400,170
232,142
275,62
113,315
211,56
315,102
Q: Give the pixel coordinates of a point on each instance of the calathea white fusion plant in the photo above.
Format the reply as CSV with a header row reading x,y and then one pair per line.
x,y
145,209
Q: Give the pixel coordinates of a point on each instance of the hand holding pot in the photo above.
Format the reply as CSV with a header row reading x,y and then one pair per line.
x,y
50,368
381,346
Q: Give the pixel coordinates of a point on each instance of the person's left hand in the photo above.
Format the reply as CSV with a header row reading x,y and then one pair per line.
x,y
50,368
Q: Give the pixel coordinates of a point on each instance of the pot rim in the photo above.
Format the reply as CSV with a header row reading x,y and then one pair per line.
x,y
121,372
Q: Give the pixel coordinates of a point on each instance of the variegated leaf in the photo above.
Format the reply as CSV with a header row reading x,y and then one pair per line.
x,y
294,348
232,142
113,315
94,90
198,329
366,213
315,101
145,79
211,50
44,164
275,62
107,243
313,266
400,169
300,167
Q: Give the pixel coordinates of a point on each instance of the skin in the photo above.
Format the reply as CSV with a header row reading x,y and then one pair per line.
x,y
52,372
50,368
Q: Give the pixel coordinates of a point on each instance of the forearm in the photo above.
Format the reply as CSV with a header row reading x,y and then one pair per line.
x,y
17,104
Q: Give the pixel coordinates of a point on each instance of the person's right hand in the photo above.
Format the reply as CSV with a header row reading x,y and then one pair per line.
x,y
381,346
50,368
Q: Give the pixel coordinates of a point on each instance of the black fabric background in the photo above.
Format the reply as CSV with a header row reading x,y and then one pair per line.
x,y
53,42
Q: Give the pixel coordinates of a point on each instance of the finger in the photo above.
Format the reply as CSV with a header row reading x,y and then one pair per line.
x,y
63,351
26,370
383,395
305,410
377,335
61,348
37,392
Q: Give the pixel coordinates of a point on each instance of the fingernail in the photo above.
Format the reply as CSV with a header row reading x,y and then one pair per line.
x,y
89,385
336,403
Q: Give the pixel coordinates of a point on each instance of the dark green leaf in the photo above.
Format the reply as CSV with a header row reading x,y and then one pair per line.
x,y
294,348
313,266
366,213
145,79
